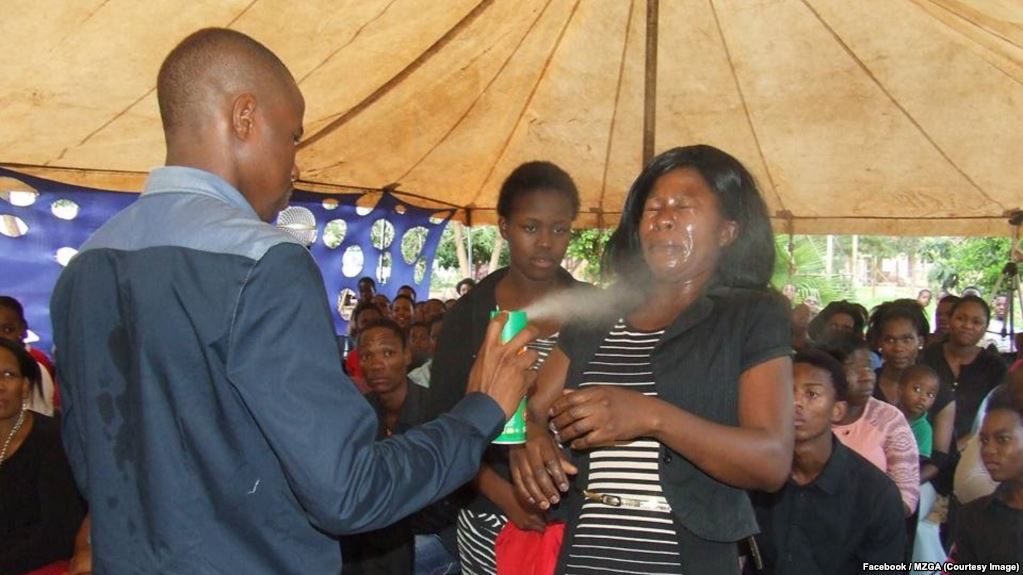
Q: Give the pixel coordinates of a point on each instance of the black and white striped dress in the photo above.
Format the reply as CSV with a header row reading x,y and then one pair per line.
x,y
624,540
477,532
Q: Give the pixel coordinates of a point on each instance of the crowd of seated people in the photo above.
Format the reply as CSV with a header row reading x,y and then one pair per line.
x,y
711,425
420,322
942,383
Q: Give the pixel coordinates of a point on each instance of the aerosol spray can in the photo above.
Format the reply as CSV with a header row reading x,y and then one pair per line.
x,y
515,429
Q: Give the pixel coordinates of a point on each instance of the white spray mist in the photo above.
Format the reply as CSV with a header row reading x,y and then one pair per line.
x,y
585,304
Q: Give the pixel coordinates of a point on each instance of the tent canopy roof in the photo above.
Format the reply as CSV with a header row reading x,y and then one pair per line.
x,y
892,117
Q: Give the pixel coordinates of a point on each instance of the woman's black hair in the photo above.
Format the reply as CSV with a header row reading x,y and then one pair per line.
x,y
405,297
840,345
857,312
972,299
907,309
827,362
1004,397
748,262
26,364
954,299
533,176
465,281
363,306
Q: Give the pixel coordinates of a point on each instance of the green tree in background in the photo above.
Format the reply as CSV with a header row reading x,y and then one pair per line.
x,y
809,276
584,252
483,238
962,262
955,263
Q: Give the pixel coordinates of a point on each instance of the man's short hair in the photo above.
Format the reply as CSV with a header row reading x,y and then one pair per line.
x,y
827,362
384,323
14,305
229,58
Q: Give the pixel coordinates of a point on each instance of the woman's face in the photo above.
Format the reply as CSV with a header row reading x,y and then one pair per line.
x,y
366,317
841,323
861,377
899,342
681,230
538,229
13,385
942,317
968,324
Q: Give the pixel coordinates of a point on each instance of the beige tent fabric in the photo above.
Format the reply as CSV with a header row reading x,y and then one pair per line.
x,y
893,117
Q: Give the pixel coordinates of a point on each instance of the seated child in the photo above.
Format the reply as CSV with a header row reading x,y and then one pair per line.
x,y
918,387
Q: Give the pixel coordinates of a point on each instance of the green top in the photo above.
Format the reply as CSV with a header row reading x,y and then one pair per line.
x,y
923,433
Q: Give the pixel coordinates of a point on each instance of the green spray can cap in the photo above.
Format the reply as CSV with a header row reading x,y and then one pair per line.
x,y
516,322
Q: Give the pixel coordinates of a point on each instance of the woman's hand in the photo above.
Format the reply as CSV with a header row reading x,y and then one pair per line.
x,y
603,415
525,516
540,469
81,561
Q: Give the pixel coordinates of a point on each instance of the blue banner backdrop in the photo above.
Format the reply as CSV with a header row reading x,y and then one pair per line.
x,y
44,222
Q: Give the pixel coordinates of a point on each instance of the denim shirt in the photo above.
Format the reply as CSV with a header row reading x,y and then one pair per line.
x,y
206,415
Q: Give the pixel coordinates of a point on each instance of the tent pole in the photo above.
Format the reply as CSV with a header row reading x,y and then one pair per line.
x,y
468,234
828,263
650,84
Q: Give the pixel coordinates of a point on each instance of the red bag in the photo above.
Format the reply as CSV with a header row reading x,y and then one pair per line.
x,y
56,568
528,552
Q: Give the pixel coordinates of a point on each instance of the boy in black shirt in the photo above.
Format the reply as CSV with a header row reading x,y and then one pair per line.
x,y
990,529
837,512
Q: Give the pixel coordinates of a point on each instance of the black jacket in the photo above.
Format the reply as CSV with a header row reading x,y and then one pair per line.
x,y
460,340
697,365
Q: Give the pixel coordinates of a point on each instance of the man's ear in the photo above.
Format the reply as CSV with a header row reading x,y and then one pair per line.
x,y
729,231
243,116
838,411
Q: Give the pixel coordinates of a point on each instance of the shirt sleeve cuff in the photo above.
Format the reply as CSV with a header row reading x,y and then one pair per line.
x,y
481,412
766,355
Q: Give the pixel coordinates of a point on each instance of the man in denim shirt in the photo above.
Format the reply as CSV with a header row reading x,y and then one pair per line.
x,y
207,418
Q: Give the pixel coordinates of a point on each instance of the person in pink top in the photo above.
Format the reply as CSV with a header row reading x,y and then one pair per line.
x,y
876,430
